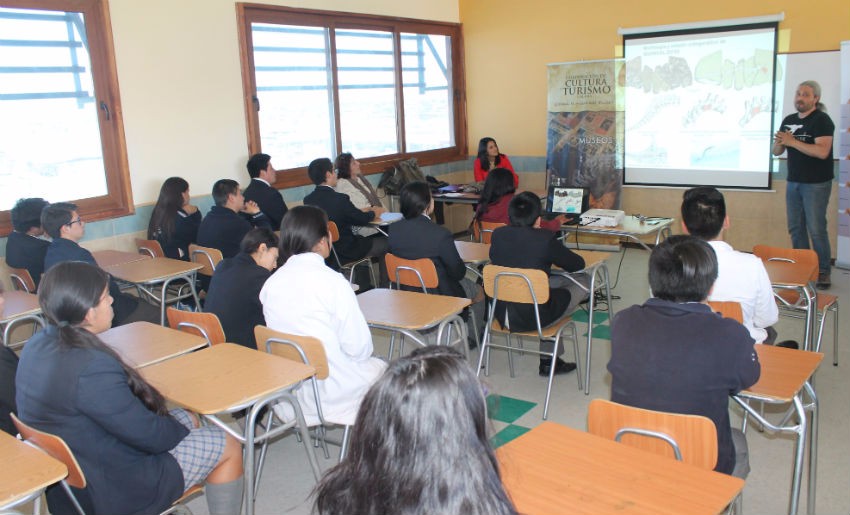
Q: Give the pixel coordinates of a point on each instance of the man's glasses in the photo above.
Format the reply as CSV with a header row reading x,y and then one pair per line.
x,y
78,220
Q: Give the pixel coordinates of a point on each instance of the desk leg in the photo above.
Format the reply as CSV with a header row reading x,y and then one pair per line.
x,y
591,305
250,428
811,494
799,454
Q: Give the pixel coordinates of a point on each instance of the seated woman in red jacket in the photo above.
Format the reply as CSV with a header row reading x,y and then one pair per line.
x,y
489,158
137,456
496,196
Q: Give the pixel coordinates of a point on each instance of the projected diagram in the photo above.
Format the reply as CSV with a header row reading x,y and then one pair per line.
x,y
698,104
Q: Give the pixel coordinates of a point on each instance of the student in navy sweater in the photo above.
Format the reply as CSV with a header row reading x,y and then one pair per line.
x,y
262,192
65,225
174,221
674,354
234,294
523,244
25,248
223,228
137,456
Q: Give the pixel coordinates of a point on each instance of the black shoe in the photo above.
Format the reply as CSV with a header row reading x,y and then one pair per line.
x,y
824,282
561,367
788,344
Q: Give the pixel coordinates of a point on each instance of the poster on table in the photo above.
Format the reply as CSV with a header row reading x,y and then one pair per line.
x,y
585,129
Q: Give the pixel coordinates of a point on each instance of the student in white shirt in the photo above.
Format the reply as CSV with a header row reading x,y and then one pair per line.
x,y
305,297
741,277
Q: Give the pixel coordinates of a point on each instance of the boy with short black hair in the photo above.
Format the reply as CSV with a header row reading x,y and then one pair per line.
x,y
65,225
223,228
523,244
674,354
262,192
741,277
25,248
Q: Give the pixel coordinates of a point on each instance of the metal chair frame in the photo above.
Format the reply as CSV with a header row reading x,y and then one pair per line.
x,y
504,273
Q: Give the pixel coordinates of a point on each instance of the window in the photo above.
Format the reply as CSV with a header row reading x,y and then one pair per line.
x,y
62,136
320,83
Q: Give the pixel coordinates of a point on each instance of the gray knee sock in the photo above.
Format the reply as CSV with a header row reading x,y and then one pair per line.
x,y
224,498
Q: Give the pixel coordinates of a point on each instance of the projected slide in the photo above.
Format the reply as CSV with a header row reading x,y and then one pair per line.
x,y
698,108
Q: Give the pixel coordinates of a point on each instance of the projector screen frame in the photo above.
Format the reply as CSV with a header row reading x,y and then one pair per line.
x,y
768,23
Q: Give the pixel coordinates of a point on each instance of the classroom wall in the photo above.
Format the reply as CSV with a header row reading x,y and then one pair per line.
x,y
508,45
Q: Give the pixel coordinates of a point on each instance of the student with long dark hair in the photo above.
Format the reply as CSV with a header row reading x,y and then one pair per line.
x,y
419,445
489,158
174,222
234,294
496,196
306,297
136,455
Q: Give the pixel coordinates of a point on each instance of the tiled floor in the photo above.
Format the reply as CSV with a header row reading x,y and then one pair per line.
x,y
516,405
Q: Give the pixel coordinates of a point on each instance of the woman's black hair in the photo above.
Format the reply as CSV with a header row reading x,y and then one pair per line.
x,y
415,197
419,445
256,237
66,293
170,201
483,158
301,229
343,165
499,182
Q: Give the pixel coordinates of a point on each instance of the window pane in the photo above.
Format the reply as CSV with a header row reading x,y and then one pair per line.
x,y
427,69
367,101
50,142
294,91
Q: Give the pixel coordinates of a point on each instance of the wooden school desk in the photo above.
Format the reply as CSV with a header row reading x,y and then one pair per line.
x,y
106,258
19,307
796,276
25,471
158,271
408,312
784,377
227,377
554,469
631,229
141,344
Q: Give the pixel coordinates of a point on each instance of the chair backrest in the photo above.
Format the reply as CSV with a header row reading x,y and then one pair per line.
x,y
728,309
483,231
805,256
695,436
334,232
206,256
205,325
22,280
418,273
303,349
516,284
55,447
150,247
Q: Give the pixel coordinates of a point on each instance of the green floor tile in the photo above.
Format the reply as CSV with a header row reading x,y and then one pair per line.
x,y
599,317
603,332
507,409
507,434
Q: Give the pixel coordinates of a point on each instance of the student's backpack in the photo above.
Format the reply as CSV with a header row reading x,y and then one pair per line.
x,y
404,172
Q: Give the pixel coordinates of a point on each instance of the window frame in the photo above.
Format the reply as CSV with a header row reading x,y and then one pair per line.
x,y
119,198
248,13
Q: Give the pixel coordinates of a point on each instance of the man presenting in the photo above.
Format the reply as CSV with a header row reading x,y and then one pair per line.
x,y
807,136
